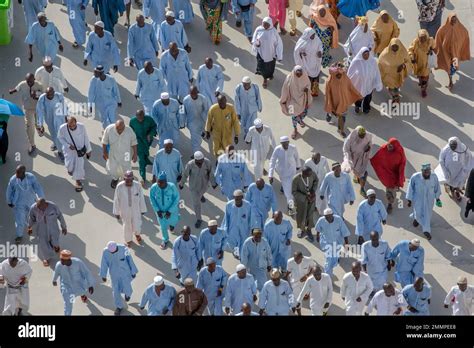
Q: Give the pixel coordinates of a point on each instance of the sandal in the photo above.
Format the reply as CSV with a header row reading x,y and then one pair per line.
x,y
427,235
84,298
163,246
138,238
265,84
79,187
45,263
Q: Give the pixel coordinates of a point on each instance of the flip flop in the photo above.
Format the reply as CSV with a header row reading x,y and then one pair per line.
x,y
138,238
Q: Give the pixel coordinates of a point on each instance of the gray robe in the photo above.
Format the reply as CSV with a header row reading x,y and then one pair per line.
x,y
304,208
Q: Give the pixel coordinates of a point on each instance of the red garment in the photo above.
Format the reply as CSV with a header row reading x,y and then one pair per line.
x,y
390,166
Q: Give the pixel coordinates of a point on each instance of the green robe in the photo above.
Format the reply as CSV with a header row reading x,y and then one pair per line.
x,y
143,130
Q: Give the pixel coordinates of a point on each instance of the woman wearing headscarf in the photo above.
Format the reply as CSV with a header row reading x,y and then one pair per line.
x,y
452,46
326,28
340,94
365,76
419,51
353,8
360,37
384,29
389,165
455,161
356,152
393,65
308,53
331,6
268,47
430,13
295,97
469,194
212,13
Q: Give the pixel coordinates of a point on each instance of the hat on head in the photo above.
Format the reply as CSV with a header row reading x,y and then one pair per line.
x,y
298,68
99,67
425,166
238,193
361,130
370,192
256,230
128,175
212,223
169,14
168,141
240,267
328,211
188,282
415,242
158,280
210,260
198,155
47,61
165,95
162,175
246,79
275,274
284,138
65,254
258,123
462,280
111,246
99,24
335,164
40,14
267,20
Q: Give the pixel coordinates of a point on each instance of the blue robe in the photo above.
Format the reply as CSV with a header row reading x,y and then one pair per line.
x,y
239,291
164,200
247,104
172,33
409,265
261,201
245,17
157,304
171,164
369,218
210,283
22,194
155,9
211,244
185,257
277,235
45,39
331,240
75,280
257,257
210,81
353,8
195,114
105,96
423,193
149,88
122,270
77,19
142,44
31,9
53,112
183,10
417,300
338,190
168,120
109,12
102,50
276,300
178,72
232,174
376,260
236,223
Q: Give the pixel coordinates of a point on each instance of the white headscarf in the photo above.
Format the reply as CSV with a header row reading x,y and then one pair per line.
x,y
358,39
365,74
311,63
269,40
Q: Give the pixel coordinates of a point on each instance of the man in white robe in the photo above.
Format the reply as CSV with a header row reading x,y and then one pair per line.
x,y
129,206
50,75
319,288
355,289
299,268
210,80
14,275
376,260
388,301
319,165
260,137
459,297
248,103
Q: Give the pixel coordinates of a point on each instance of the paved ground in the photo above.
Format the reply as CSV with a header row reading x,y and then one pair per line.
x,y
88,214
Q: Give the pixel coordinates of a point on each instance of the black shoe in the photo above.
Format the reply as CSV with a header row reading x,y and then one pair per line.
x,y
61,156
114,183
198,223
328,118
300,234
281,189
127,298
117,311
366,111
203,200
19,312
357,110
415,223
310,236
466,213
238,24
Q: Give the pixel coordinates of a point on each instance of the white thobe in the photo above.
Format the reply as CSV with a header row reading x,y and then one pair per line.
x,y
129,203
298,271
285,163
385,305
461,301
260,144
320,293
17,296
74,164
352,289
120,152
320,169
53,79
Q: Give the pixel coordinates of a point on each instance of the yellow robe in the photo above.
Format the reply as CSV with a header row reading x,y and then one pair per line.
x,y
223,124
384,32
418,52
389,62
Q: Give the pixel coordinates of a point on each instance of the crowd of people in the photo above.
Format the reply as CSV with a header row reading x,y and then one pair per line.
x,y
268,280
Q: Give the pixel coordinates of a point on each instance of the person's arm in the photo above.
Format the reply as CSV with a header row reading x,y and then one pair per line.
x,y
449,299
116,92
235,124
104,266
220,80
185,174
297,194
382,212
143,208
131,265
131,49
419,266
411,191
263,299
138,86
115,52
37,187
304,291
203,304
62,80
367,291
273,161
350,189
61,219
237,100
56,273
10,192
144,299
212,178
154,42
360,223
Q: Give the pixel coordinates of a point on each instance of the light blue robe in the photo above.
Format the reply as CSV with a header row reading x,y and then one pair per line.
x,y
77,19
22,194
376,260
195,114
247,104
45,39
276,300
239,291
261,201
142,44
369,218
109,12
183,10
245,17
211,244
105,96
172,33
185,257
149,88
423,193
122,270
339,191
257,257
418,300
31,9
53,113
102,51
75,280
236,223
178,72
155,9
210,283
168,120
409,265
232,174
157,304
164,200
277,235
331,240
210,81
171,164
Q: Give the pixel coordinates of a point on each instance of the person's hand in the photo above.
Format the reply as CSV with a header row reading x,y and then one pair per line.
x,y
321,197
11,205
398,311
305,89
104,279
320,54
13,90
214,186
121,14
254,298
208,135
446,306
392,263
130,62
409,203
30,56
96,12
303,278
389,265
412,309
288,242
133,276
71,147
358,299
351,202
61,47
117,217
384,222
105,155
83,7
167,215
160,214
180,186
220,254
22,280
400,68
66,90
261,311
115,68
236,140
188,49
179,177
326,305
55,283
269,268
239,117
270,180
88,155
19,1
84,62
64,231
165,311
177,274
134,158
237,13
91,290
219,292
317,238
227,310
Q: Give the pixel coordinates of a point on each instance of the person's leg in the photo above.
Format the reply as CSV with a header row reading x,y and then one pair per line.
x,y
366,104
69,298
127,10
424,85
390,194
358,104
282,15
30,126
196,199
292,17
